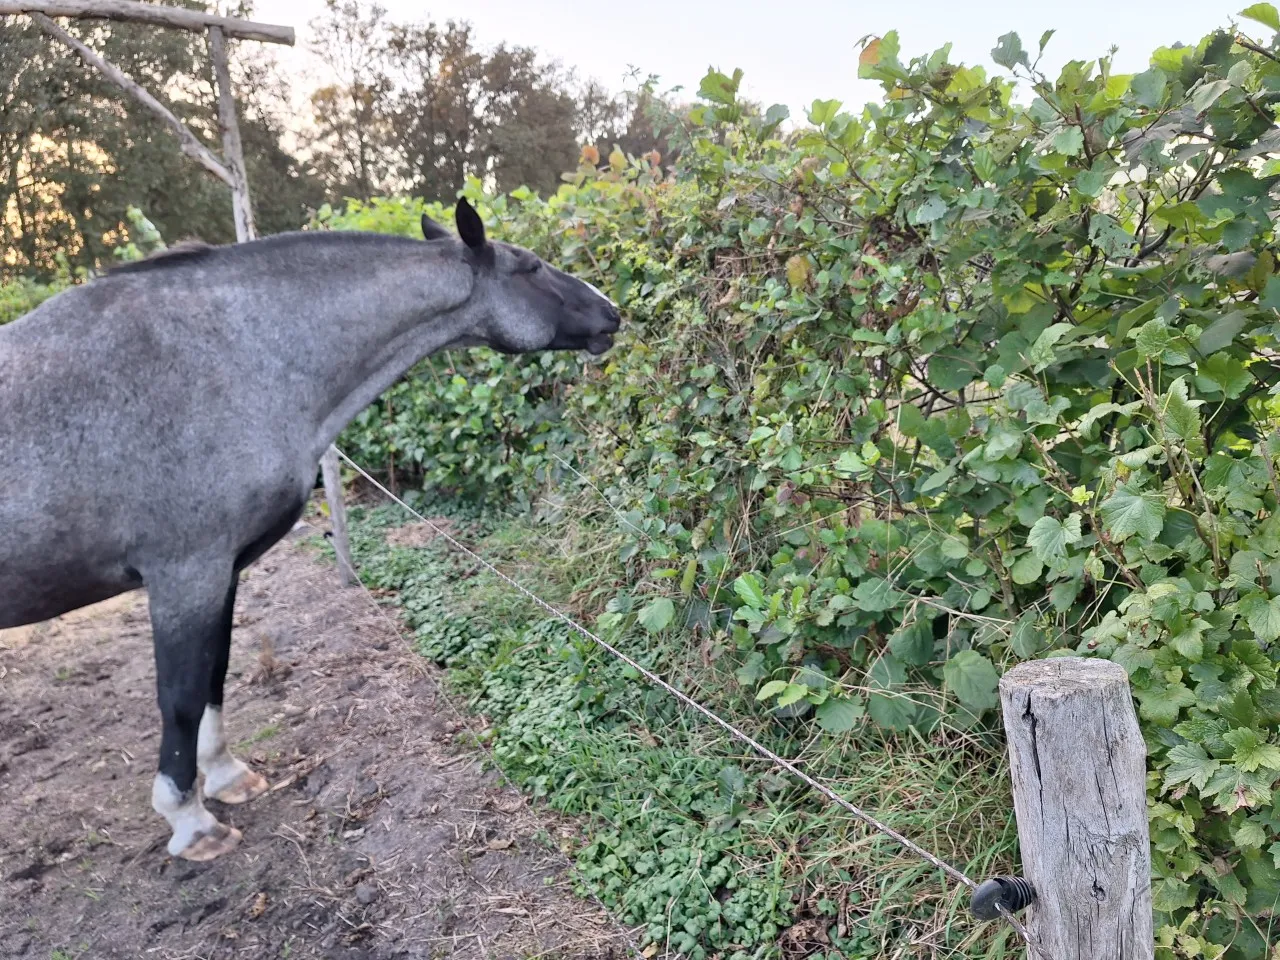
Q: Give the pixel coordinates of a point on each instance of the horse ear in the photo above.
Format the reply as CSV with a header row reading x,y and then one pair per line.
x,y
470,226
432,230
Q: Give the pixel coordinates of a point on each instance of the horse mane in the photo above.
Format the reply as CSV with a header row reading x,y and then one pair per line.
x,y
186,251
197,251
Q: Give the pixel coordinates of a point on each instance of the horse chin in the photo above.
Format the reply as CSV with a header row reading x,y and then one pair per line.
x,y
599,344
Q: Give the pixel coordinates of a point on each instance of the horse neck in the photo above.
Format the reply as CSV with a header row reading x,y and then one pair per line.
x,y
361,322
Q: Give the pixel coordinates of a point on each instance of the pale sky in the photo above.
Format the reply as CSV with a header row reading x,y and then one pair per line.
x,y
795,52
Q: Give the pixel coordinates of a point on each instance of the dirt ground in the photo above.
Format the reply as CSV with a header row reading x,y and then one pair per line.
x,y
382,836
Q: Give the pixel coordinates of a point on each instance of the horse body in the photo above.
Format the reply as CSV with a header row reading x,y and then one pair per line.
x,y
162,427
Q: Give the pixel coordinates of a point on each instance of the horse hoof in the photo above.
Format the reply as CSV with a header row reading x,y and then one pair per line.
x,y
218,841
244,788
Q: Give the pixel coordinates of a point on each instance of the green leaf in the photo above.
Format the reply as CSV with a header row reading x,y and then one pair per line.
x,y
1125,513
1049,537
1189,644
876,596
1090,183
1148,87
1226,373
771,689
1178,414
1255,660
973,679
1153,339
1263,617
1208,93
1188,763
892,712
1251,751
1069,141
748,588
1008,52
657,614
1162,705
1168,894
913,643
947,372
719,88
910,420
984,164
1026,569
1221,333
794,693
932,209
849,464
823,112
889,710
1263,13
1027,637
839,715
1249,835
1003,445
1103,410
1042,354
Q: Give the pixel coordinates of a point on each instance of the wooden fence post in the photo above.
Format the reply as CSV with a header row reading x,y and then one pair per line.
x,y
1078,763
232,152
337,515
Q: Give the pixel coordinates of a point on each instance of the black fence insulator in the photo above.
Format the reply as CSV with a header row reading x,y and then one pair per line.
x,y
1012,893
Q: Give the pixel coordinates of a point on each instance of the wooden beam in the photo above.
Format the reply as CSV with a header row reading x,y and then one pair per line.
x,y
232,152
135,12
1078,763
192,147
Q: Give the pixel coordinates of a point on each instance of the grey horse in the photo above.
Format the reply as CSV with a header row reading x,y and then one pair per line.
x,y
161,427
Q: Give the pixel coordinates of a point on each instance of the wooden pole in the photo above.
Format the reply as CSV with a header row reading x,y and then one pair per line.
x,y
232,151
192,147
1079,770
163,16
337,515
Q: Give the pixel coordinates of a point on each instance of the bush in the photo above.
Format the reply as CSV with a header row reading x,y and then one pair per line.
x,y
910,395
25,294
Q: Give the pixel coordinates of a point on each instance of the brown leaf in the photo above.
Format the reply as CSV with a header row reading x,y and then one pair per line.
x,y
259,906
870,55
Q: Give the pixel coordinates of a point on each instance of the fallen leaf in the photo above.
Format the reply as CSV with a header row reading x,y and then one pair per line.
x,y
259,906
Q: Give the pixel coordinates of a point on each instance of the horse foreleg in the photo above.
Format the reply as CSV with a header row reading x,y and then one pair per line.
x,y
191,609
226,778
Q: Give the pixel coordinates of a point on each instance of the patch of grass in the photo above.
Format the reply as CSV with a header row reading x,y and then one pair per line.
x,y
258,736
712,851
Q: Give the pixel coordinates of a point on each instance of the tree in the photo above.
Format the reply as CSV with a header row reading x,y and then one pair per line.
x,y
348,136
637,121
420,107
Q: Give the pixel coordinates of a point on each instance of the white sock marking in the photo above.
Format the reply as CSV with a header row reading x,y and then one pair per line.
x,y
219,767
187,817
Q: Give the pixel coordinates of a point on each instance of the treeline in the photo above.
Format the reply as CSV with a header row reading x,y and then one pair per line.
x,y
411,107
